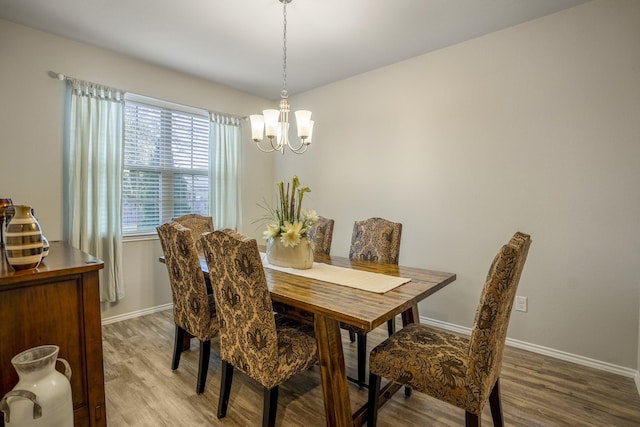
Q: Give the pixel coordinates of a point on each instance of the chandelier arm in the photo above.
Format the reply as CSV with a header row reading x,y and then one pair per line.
x,y
299,149
275,147
266,150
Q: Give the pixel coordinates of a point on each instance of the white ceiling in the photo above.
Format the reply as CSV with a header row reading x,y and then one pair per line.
x,y
239,42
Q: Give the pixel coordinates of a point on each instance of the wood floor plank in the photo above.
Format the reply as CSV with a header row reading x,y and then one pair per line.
x,y
143,391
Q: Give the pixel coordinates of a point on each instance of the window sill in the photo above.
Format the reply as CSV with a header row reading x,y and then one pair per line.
x,y
140,238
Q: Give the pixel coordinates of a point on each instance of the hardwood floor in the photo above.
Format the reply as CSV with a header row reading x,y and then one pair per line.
x,y
142,390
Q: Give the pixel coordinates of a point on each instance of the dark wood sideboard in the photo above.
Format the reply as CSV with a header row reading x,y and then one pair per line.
x,y
57,303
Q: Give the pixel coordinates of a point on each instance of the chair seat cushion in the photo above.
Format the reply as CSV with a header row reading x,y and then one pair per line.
x,y
427,360
297,351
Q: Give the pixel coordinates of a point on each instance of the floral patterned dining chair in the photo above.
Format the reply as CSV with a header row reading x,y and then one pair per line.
x,y
194,310
464,372
374,240
321,233
198,224
266,347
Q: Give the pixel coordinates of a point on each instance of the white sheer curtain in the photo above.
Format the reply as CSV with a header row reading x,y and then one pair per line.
x,y
224,171
94,139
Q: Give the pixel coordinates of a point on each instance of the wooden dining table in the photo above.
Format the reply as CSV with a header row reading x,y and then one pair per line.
x,y
328,304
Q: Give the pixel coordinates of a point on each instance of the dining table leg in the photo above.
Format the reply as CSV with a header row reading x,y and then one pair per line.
x,y
333,372
411,315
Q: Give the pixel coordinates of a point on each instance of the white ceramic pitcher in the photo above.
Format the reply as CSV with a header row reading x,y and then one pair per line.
x,y
42,396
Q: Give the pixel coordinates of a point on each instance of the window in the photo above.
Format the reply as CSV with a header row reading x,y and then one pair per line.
x,y
166,164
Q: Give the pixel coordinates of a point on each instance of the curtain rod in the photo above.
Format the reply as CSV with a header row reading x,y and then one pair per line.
x,y
63,77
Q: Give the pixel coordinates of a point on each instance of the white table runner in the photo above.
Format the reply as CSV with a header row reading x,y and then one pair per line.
x,y
365,280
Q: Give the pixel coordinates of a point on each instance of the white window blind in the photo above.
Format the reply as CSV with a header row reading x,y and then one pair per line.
x,y
166,166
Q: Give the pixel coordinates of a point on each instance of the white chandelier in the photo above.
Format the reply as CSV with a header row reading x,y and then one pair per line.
x,y
275,123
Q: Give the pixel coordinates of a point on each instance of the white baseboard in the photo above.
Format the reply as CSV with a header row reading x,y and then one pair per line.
x,y
558,354
134,314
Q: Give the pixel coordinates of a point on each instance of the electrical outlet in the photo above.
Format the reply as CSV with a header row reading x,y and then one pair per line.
x,y
521,304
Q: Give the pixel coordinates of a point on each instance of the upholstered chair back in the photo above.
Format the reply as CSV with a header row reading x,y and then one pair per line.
x,y
248,338
321,234
488,336
198,224
192,309
376,240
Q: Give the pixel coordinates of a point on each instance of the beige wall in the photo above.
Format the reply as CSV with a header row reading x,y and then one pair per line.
x,y
31,139
534,128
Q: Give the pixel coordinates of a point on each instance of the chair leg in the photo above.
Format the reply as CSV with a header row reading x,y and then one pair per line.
x,y
177,347
203,365
270,406
496,405
471,420
225,388
374,399
391,326
362,358
352,336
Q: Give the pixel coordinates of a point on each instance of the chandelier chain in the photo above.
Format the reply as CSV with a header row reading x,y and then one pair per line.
x,y
284,51
275,123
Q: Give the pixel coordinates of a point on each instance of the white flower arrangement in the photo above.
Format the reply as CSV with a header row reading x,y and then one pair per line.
x,y
289,222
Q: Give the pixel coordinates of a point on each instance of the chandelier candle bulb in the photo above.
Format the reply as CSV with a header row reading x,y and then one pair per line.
x,y
303,119
271,122
308,140
257,127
